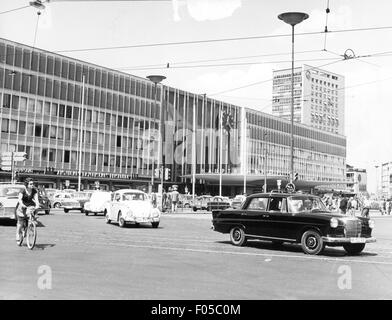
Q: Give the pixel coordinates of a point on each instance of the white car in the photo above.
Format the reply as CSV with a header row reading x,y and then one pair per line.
x,y
131,206
9,198
97,202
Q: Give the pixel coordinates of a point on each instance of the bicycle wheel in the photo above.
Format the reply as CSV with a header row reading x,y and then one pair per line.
x,y
31,235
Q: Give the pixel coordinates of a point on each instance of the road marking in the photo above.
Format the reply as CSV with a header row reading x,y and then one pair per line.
x,y
269,255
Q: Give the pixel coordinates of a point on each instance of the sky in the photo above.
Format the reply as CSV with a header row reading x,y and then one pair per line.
x,y
149,26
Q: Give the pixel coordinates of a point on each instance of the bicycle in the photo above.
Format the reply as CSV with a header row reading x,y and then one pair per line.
x,y
29,231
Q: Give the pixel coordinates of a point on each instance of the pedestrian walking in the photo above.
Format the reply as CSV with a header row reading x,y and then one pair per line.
x,y
343,205
175,197
366,208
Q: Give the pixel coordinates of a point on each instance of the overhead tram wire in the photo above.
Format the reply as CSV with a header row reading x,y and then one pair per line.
x,y
213,60
229,64
218,40
16,9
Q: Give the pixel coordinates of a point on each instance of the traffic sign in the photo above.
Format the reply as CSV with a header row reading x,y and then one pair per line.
x,y
6,168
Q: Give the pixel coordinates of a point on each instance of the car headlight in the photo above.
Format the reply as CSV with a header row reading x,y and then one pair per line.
x,y
371,224
130,212
334,223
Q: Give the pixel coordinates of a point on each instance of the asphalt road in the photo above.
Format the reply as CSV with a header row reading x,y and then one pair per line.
x,y
79,257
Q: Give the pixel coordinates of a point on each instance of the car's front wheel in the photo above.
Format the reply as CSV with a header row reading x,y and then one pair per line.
x,y
57,205
311,242
237,236
47,211
121,221
66,210
194,209
354,248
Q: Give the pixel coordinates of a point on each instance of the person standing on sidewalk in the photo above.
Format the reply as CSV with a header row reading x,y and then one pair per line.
x,y
175,197
366,208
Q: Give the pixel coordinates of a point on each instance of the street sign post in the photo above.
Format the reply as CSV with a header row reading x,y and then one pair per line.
x,y
8,160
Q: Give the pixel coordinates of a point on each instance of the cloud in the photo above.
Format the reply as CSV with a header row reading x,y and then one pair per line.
x,y
202,10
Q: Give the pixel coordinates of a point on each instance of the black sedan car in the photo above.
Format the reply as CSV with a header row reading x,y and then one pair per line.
x,y
293,218
44,202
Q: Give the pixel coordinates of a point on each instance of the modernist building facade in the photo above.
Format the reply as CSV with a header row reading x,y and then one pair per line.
x,y
46,113
318,97
386,180
356,179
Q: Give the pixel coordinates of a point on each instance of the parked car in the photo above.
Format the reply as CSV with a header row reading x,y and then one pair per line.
x,y
82,197
65,199
131,206
237,201
201,202
185,201
70,203
44,202
218,203
9,198
97,202
293,218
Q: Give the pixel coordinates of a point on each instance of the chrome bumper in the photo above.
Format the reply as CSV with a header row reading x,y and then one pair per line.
x,y
348,240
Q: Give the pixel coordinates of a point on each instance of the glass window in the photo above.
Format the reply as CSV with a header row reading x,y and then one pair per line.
x,y
60,133
4,125
69,112
38,130
45,131
53,130
22,127
67,134
62,110
74,135
66,156
15,102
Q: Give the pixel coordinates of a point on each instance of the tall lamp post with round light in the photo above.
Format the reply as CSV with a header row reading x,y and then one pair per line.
x,y
292,18
157,79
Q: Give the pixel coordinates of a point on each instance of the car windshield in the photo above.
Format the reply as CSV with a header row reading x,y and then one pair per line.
x,y
305,205
10,191
133,196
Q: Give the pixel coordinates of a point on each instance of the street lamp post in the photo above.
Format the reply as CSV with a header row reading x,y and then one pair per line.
x,y
292,18
157,79
265,162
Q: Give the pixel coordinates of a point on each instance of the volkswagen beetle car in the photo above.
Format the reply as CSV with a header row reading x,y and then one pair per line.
x,y
201,202
131,206
97,202
293,218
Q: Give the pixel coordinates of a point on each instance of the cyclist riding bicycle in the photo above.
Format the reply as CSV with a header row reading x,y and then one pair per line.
x,y
27,204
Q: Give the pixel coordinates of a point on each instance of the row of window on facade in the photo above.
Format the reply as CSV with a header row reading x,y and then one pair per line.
x,y
326,83
46,108
45,87
67,69
302,131
61,157
29,129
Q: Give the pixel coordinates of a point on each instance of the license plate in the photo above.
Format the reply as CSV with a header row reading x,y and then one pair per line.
x,y
358,240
